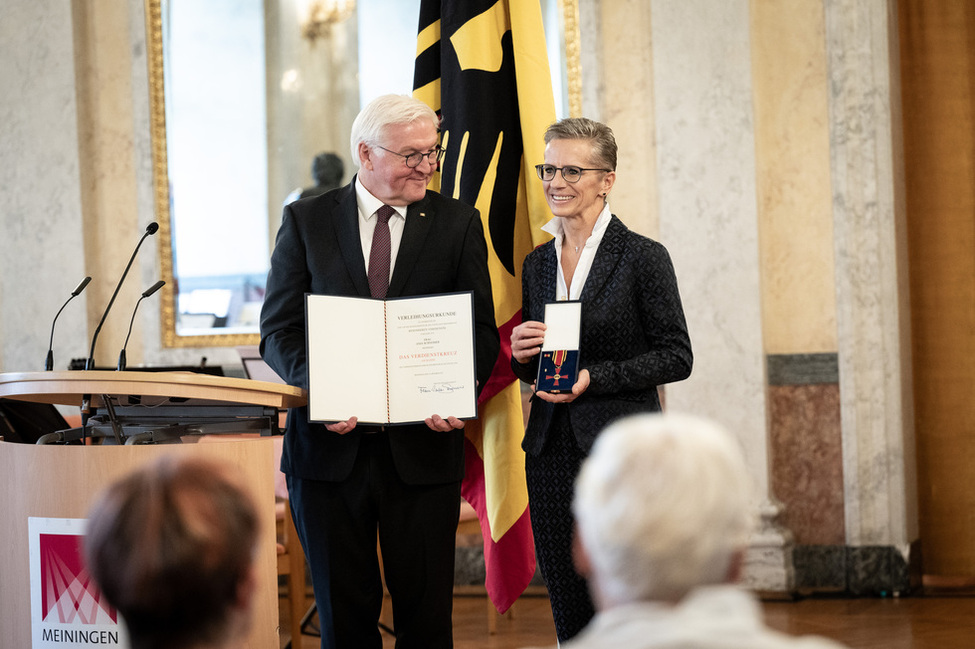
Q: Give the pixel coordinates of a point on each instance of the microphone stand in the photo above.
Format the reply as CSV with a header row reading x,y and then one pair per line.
x,y
150,229
49,364
149,291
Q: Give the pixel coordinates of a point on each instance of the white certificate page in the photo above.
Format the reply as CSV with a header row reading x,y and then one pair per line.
x,y
431,357
394,361
346,359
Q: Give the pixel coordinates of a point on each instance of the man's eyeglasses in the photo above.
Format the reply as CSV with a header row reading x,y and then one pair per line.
x,y
569,173
413,160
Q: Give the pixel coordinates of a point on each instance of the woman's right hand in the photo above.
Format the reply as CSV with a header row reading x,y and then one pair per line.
x,y
526,340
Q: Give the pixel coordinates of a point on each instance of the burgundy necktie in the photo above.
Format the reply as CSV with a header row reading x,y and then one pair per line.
x,y
379,255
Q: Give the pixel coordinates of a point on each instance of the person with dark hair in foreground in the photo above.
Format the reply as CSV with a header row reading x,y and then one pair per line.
x,y
664,507
172,547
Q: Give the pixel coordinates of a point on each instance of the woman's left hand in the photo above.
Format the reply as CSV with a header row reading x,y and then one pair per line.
x,y
581,385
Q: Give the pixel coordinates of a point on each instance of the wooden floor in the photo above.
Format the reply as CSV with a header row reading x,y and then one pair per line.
x,y
917,622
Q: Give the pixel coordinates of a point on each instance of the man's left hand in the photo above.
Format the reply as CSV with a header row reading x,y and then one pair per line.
x,y
436,422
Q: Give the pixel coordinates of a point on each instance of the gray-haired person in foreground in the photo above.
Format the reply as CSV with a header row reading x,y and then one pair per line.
x,y
664,506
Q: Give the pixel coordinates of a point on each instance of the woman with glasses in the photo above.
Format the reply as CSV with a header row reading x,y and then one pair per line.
x,y
633,338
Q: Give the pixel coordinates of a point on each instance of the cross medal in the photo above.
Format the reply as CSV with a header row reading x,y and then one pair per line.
x,y
558,357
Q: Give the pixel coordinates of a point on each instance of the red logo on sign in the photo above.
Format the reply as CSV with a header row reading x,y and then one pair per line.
x,y
67,588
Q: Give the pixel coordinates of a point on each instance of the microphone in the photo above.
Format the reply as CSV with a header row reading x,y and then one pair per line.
x,y
150,230
49,365
149,291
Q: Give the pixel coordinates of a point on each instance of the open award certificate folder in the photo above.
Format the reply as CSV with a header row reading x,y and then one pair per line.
x,y
393,361
558,365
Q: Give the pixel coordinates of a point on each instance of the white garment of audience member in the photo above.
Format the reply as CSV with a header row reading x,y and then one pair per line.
x,y
709,617
664,507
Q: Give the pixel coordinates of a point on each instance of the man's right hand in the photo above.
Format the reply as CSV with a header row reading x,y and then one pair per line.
x,y
342,427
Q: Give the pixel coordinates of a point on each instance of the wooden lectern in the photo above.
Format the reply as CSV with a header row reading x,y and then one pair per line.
x,y
61,481
147,407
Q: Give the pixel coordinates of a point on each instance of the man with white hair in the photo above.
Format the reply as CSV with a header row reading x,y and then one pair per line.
x,y
384,235
663,510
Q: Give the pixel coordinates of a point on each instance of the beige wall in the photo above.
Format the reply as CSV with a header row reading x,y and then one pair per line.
x,y
791,134
775,179
103,63
792,151
755,138
794,193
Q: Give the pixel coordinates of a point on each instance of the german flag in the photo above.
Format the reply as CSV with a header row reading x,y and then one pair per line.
x,y
482,65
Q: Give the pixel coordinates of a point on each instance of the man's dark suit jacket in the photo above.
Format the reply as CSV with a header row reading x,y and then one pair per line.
x,y
633,336
318,250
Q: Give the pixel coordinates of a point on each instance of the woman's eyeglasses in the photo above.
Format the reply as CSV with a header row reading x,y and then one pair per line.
x,y
569,173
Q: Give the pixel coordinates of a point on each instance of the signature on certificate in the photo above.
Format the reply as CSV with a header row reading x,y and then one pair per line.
x,y
440,386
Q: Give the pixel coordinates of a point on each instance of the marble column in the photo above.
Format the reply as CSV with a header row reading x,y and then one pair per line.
x,y
706,177
873,316
42,257
673,79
